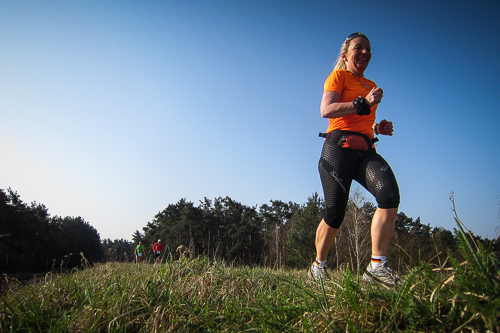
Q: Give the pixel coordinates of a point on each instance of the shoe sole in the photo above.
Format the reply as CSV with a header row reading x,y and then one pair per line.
x,y
368,277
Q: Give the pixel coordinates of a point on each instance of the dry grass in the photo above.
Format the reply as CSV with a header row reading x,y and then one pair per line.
x,y
195,295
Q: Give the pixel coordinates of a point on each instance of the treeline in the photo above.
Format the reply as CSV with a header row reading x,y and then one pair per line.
x,y
277,234
281,234
31,240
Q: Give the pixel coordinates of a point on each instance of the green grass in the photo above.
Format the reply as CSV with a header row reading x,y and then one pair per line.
x,y
196,295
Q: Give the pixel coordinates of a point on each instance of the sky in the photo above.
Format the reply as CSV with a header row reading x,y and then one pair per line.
x,y
112,110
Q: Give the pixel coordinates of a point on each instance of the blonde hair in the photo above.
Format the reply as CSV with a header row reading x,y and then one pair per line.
x,y
340,62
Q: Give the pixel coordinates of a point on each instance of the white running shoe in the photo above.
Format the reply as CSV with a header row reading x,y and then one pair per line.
x,y
318,273
382,275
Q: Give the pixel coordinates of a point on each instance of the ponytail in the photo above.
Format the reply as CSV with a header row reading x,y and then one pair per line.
x,y
340,62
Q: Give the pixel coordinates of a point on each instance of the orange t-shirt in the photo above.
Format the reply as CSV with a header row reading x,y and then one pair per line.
x,y
350,87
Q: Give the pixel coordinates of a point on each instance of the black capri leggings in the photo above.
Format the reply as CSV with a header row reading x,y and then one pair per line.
x,y
338,167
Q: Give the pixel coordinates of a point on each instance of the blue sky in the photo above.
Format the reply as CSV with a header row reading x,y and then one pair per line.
x,y
112,110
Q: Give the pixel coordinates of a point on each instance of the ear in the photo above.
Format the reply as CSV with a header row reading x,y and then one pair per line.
x,y
344,57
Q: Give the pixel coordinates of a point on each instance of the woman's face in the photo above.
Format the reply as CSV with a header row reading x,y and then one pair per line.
x,y
358,55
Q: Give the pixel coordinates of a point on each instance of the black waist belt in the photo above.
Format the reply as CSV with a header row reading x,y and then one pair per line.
x,y
323,135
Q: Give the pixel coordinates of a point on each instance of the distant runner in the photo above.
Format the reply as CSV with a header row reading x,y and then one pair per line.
x,y
158,249
139,252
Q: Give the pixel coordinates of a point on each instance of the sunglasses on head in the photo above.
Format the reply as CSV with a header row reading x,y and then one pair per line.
x,y
354,35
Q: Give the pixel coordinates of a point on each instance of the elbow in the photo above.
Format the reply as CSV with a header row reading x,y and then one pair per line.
x,y
323,112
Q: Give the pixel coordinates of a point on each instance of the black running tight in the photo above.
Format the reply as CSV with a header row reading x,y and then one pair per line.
x,y
338,167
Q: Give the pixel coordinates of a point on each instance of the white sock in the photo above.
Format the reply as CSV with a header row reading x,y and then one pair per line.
x,y
378,261
322,263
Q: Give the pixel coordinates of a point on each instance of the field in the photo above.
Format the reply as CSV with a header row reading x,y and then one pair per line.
x,y
196,295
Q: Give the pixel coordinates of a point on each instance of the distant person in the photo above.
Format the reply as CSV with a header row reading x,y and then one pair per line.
x,y
158,250
350,103
139,253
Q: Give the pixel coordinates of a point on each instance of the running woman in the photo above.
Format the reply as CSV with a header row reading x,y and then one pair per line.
x,y
350,103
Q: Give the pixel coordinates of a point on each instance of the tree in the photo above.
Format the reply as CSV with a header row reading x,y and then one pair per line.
x,y
300,248
27,231
120,250
444,242
77,239
209,227
413,242
239,234
275,223
137,237
33,241
357,224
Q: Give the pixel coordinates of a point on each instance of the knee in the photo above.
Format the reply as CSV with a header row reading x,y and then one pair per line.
x,y
388,198
334,216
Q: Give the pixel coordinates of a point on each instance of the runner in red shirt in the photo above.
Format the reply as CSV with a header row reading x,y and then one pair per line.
x,y
158,250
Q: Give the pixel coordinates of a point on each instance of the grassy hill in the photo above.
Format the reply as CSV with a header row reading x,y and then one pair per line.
x,y
195,295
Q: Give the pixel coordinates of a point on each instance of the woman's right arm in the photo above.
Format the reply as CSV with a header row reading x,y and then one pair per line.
x,y
332,108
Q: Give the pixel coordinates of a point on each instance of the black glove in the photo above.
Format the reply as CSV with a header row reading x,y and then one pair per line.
x,y
362,107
